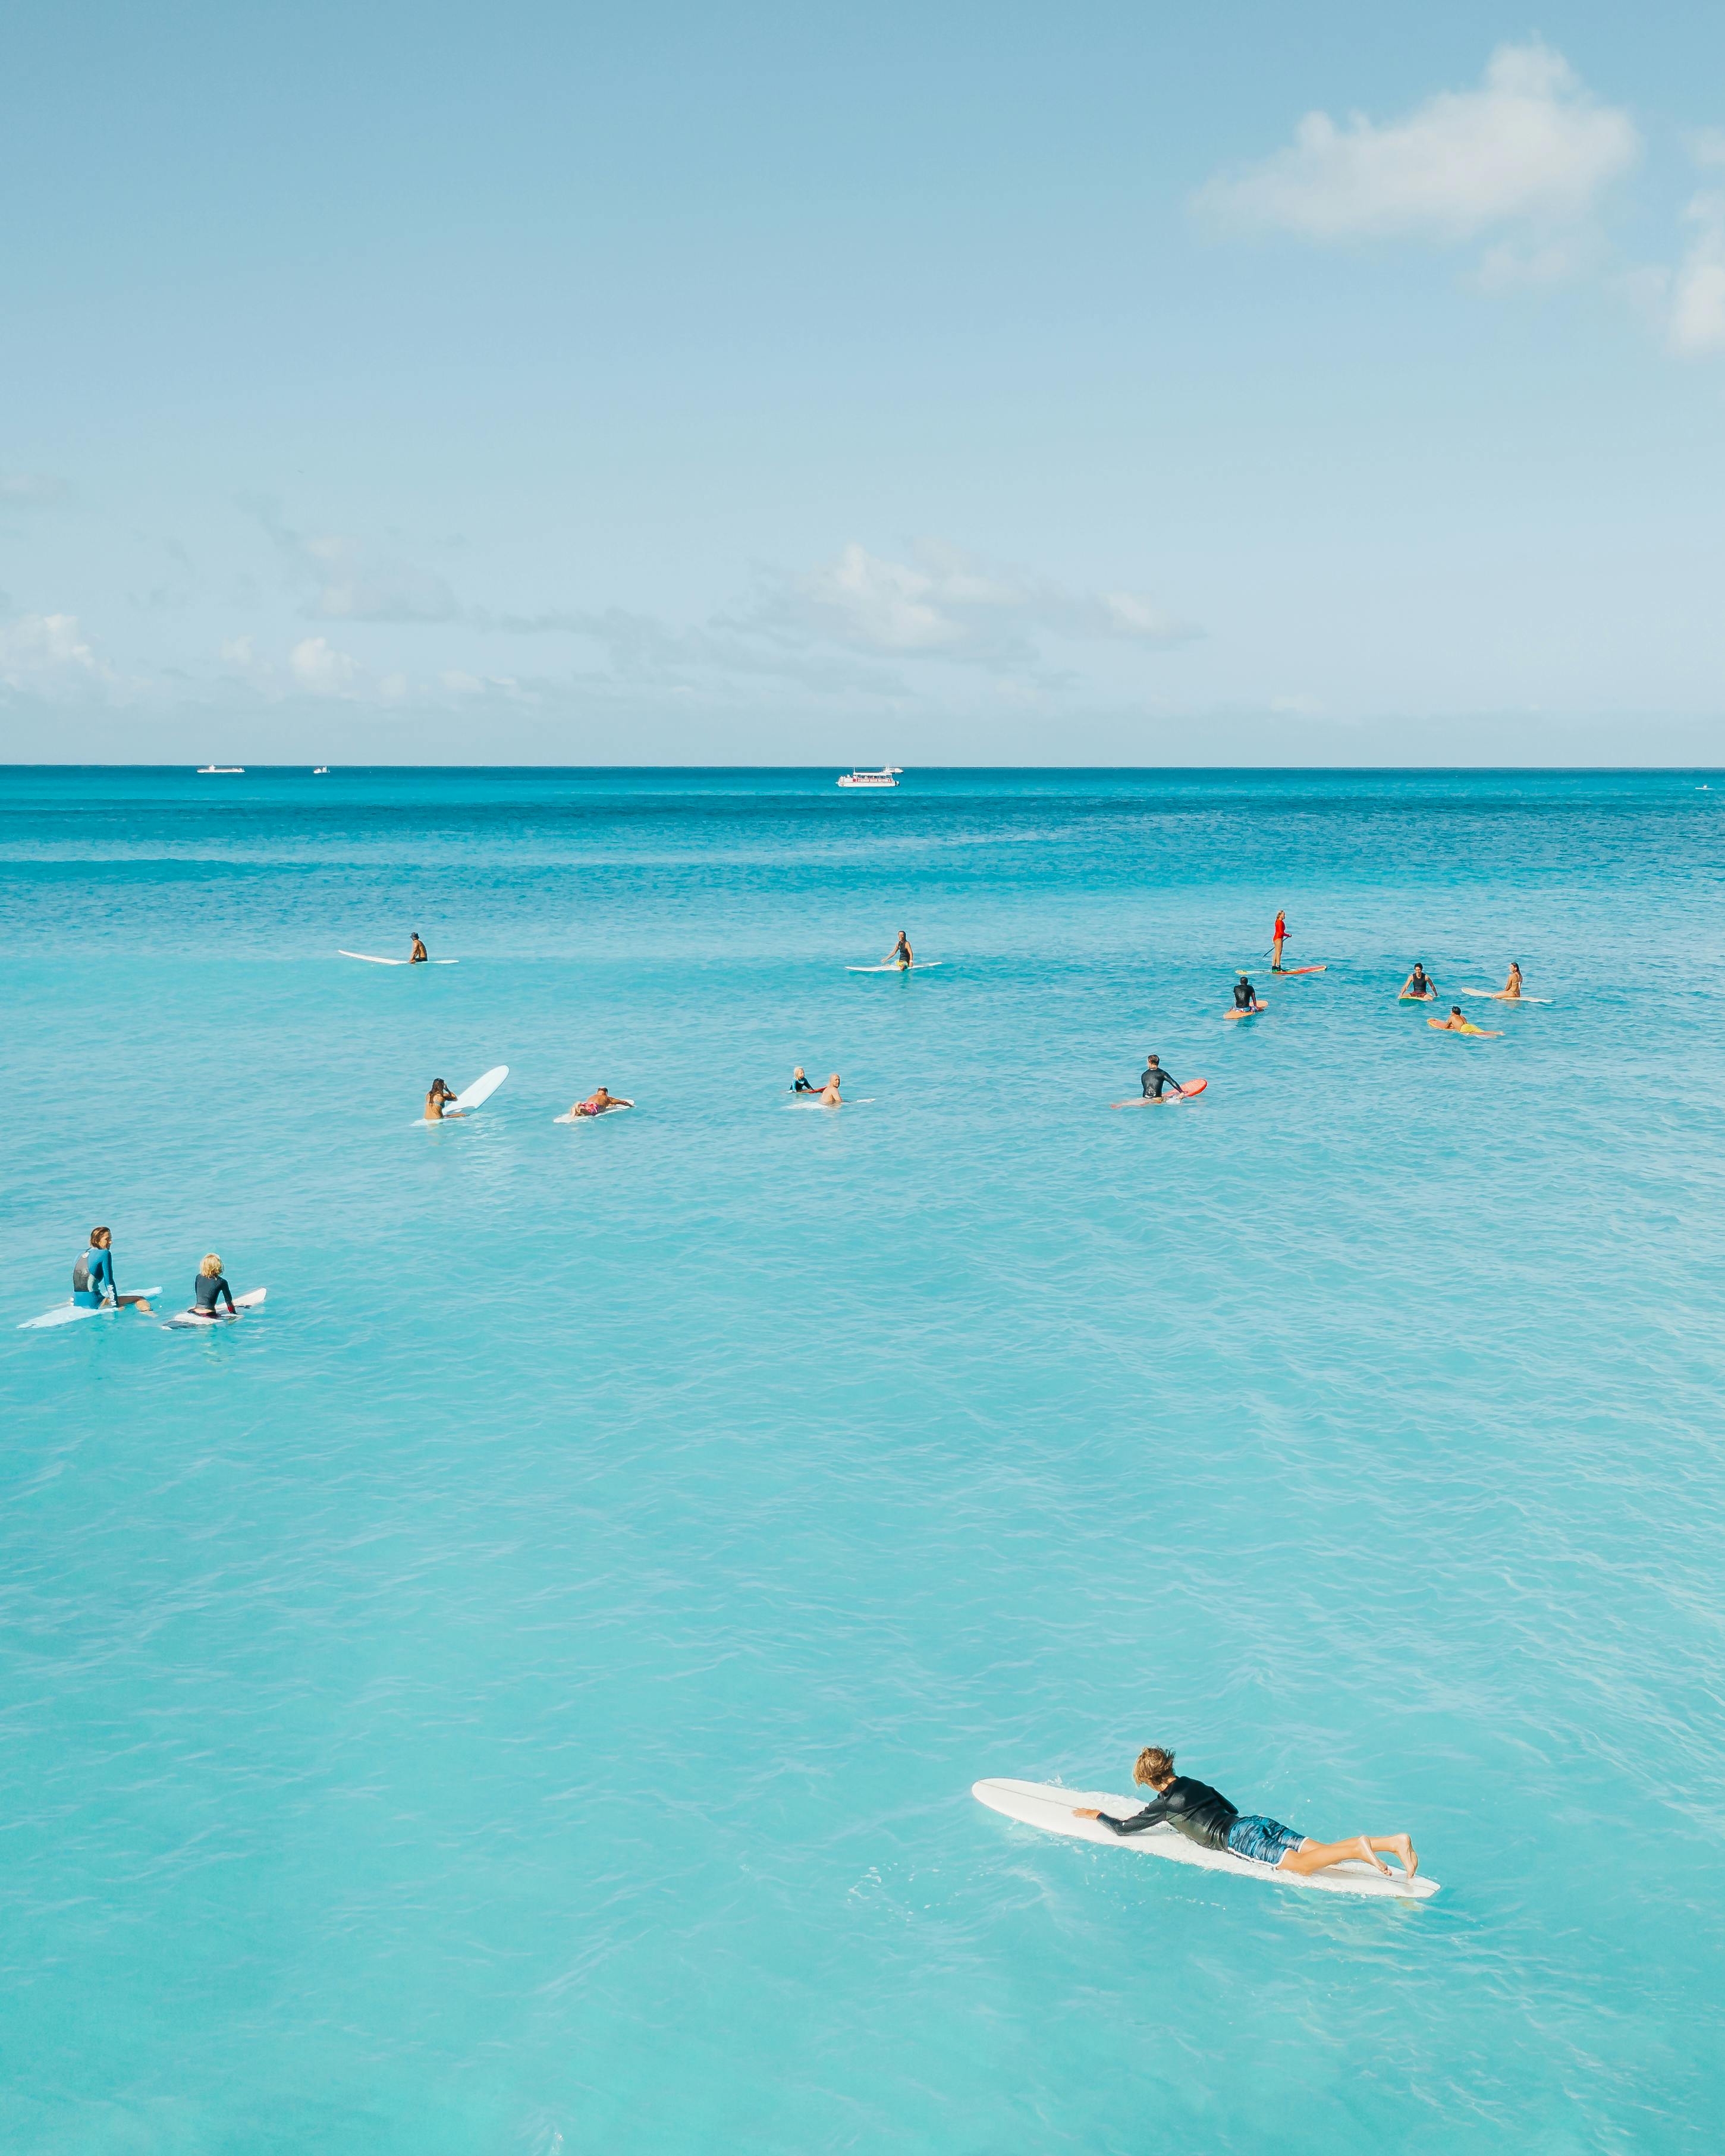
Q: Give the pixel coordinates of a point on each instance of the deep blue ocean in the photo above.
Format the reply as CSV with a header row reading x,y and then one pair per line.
x,y
519,1693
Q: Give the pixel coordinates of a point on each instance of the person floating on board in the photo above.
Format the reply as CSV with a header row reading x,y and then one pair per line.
x,y
597,1103
1456,1022
830,1097
1156,1078
1245,996
210,1290
799,1081
1511,992
1419,987
92,1282
1278,935
420,954
1204,1815
438,1103
901,955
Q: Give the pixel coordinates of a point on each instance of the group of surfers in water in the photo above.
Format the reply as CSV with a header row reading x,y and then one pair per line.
x,y
1204,1815
441,1104
94,1287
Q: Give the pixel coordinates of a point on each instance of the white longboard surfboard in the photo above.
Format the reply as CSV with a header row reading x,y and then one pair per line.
x,y
1498,996
921,966
481,1089
366,958
1046,1805
617,1108
197,1318
67,1312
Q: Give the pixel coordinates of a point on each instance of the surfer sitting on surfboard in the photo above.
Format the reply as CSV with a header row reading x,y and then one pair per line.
x,y
1155,1078
598,1103
420,954
1245,996
435,1100
900,954
92,1282
1511,992
799,1081
1417,985
209,1289
1204,1815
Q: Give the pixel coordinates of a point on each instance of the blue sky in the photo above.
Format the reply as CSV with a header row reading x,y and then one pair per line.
x,y
788,385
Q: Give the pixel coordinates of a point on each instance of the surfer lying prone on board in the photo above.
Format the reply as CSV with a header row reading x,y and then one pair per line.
x,y
1204,1815
92,1282
1456,1022
436,1110
597,1103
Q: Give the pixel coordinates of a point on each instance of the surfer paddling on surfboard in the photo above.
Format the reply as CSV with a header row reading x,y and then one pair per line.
x,y
598,1103
1278,936
1204,1815
1456,1022
1417,988
420,954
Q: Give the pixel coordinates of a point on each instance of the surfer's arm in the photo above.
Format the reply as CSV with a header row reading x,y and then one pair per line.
x,y
1154,1814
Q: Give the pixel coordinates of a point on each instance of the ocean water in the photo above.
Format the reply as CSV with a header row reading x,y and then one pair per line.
x,y
520,1693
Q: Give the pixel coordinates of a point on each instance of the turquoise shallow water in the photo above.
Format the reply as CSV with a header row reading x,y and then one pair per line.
x,y
521,1692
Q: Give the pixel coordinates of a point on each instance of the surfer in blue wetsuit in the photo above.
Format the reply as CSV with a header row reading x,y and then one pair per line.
x,y
1156,1078
799,1081
210,1290
92,1282
1204,1815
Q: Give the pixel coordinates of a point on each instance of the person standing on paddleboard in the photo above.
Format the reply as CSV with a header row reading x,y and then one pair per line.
x,y
1204,1815
92,1282
420,954
1278,935
1155,1078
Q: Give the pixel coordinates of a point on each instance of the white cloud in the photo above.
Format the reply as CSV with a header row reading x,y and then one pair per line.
x,y
31,490
317,666
342,580
941,604
46,652
1695,323
1529,148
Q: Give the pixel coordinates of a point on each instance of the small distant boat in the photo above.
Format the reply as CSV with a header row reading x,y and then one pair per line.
x,y
221,771
887,775
320,771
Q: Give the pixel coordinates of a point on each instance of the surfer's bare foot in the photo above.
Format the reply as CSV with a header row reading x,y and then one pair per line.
x,y
1404,1849
1372,1856
1086,1812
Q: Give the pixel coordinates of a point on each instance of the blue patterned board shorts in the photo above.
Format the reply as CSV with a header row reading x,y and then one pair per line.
x,y
1265,1840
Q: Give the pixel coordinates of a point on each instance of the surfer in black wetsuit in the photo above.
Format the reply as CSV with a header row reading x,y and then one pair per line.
x,y
1155,1078
1245,996
799,1082
1204,1815
210,1290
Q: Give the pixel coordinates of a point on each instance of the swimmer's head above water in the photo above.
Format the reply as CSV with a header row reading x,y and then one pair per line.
x,y
101,1237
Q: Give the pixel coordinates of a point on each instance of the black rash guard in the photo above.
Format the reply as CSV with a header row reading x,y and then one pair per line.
x,y
1155,1079
207,1292
1245,995
1193,1809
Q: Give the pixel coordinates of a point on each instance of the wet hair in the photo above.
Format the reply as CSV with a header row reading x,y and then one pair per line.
x,y
106,1234
1149,1058
1455,1010
438,1086
1151,1765
211,1268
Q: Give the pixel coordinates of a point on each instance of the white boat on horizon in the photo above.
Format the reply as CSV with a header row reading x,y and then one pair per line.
x,y
887,775
221,771
320,771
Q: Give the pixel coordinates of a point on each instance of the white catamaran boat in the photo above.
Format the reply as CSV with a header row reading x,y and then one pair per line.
x,y
887,775
221,771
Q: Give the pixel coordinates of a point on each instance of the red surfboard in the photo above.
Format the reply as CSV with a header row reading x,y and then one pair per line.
x,y
1287,972
1193,1087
